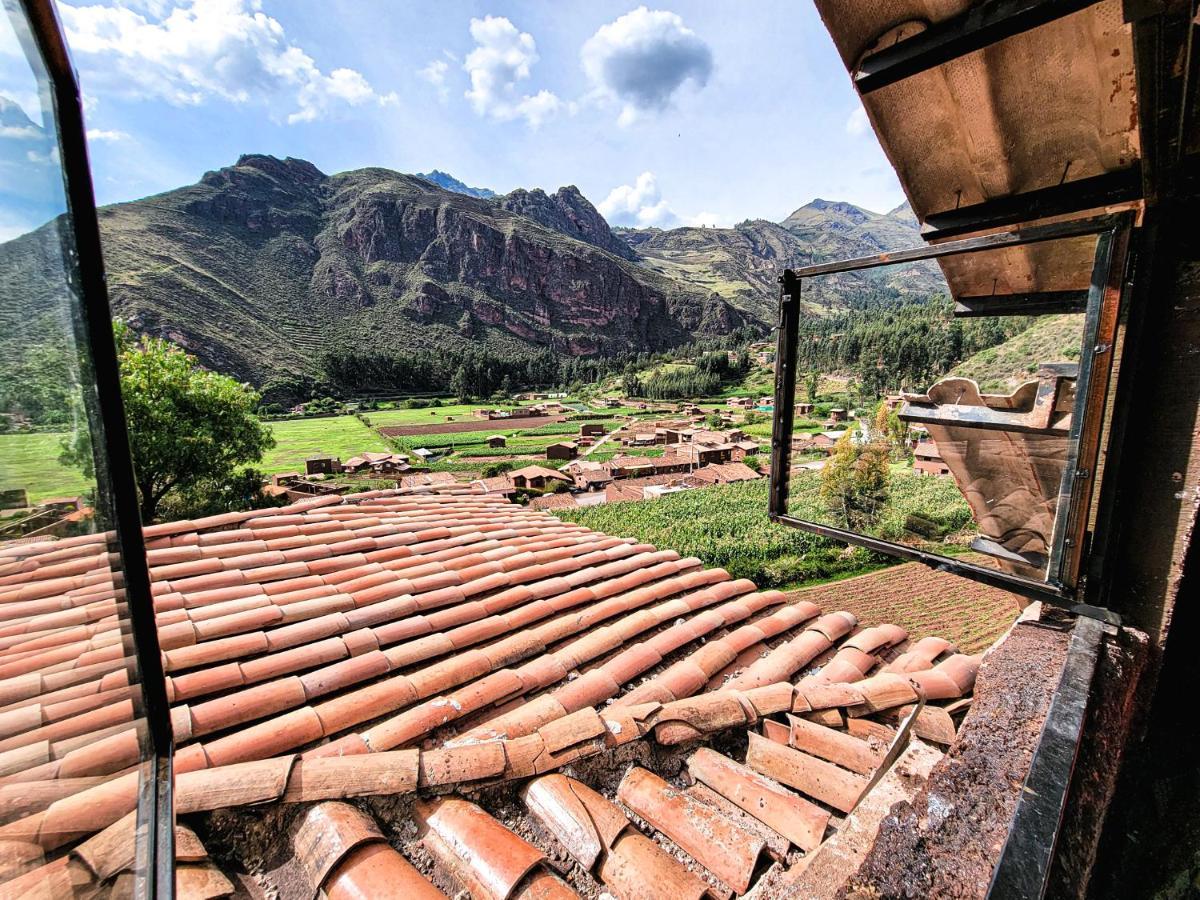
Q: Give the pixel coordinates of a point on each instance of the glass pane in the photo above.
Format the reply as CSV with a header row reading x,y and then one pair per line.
x,y
925,419
71,708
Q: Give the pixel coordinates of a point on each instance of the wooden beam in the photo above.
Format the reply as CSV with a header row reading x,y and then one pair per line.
x,y
981,26
1044,303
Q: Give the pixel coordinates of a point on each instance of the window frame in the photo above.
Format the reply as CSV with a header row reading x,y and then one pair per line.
x,y
1062,584
41,35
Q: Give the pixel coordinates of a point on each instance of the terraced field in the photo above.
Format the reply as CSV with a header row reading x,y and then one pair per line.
x,y
924,602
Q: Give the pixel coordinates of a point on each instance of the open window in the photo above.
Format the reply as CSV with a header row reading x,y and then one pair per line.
x,y
942,449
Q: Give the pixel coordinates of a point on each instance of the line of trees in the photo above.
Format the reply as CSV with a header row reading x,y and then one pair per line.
x,y
705,378
891,343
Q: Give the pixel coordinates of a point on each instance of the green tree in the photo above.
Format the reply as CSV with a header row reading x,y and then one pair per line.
x,y
458,385
811,384
854,482
188,427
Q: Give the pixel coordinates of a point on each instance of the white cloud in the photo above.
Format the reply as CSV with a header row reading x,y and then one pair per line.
x,y
50,157
503,57
858,122
709,220
21,132
435,74
638,205
642,59
204,49
100,135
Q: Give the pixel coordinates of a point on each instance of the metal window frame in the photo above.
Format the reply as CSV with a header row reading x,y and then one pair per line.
x,y
1061,585
110,442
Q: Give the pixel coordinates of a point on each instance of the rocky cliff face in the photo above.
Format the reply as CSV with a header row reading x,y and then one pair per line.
x,y
567,211
264,266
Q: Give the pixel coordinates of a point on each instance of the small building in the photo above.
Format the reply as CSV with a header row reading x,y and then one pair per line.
x,y
590,429
587,474
825,440
553,501
322,465
537,478
426,479
497,440
499,484
742,449
562,450
837,414
629,466
707,454
804,409
927,460
424,453
283,479
15,498
642,439
740,403
355,464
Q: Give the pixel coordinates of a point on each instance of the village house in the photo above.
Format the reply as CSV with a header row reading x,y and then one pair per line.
x,y
641,439
587,474
497,440
322,464
837,414
740,403
553,501
628,466
927,460
562,450
537,478
426,479
804,409
742,449
590,429
377,463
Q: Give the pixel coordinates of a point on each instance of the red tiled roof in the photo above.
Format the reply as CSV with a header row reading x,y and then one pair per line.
x,y
347,628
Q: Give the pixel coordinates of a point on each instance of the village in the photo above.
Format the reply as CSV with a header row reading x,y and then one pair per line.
x,y
651,451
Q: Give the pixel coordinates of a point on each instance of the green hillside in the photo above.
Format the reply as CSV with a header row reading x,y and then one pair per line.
x,y
1002,368
264,266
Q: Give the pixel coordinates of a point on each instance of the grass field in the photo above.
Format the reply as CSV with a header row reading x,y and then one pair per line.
x,y
298,439
30,461
434,415
727,526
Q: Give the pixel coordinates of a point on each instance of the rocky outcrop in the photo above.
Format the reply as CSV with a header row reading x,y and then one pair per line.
x,y
569,212
264,267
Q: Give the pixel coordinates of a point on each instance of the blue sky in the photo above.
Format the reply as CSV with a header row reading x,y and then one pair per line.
x,y
679,112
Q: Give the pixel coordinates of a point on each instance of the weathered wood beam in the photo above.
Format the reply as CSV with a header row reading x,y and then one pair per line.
x,y
981,26
1044,303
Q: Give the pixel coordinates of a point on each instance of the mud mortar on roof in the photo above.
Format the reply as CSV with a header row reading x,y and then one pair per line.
x,y
947,840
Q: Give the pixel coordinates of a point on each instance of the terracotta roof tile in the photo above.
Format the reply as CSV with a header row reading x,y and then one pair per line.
x,y
478,852
402,613
722,847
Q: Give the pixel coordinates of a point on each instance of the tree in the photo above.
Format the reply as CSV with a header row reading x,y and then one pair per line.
x,y
188,427
811,385
458,385
854,482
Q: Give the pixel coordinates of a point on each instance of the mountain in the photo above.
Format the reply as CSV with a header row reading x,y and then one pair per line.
x,y
450,183
742,264
264,266
839,230
567,211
